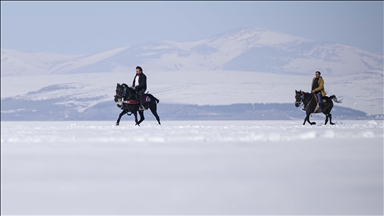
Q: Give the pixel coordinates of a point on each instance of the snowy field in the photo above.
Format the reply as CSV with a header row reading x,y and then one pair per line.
x,y
191,167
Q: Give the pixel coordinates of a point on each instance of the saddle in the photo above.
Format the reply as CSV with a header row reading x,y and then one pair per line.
x,y
146,100
323,98
317,108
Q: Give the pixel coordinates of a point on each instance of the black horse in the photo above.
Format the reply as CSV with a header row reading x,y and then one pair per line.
x,y
130,103
310,104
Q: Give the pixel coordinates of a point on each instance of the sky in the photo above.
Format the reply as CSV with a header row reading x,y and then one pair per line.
x,y
72,27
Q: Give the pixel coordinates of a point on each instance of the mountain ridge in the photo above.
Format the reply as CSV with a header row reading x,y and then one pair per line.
x,y
246,49
248,65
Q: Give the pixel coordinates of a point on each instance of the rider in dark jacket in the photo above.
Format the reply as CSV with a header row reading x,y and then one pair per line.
x,y
140,85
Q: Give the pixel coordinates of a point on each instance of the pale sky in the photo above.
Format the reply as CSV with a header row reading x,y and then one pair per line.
x,y
87,27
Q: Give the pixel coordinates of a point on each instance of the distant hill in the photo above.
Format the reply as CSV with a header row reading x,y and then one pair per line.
x,y
244,66
107,111
247,49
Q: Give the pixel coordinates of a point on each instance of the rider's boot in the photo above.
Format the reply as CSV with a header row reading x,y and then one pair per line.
x,y
141,107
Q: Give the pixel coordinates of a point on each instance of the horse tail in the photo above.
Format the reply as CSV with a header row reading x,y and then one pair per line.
x,y
333,97
157,100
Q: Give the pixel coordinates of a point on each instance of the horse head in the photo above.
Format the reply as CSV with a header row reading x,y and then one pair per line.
x,y
299,96
119,93
123,92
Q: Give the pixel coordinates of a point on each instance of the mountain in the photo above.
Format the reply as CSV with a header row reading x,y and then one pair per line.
x,y
79,93
248,49
246,66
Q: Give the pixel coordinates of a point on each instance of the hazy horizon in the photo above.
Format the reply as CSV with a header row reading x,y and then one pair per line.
x,y
91,27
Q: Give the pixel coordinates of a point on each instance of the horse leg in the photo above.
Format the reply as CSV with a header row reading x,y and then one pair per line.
x,y
330,119
312,123
154,112
141,113
326,119
306,118
329,105
121,114
137,122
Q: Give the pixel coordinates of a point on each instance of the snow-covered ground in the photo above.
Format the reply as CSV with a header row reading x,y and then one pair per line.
x,y
191,167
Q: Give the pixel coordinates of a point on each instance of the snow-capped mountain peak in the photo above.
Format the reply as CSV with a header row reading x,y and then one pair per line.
x,y
246,49
249,65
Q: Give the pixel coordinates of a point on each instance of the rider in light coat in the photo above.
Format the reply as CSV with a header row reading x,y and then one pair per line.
x,y
318,88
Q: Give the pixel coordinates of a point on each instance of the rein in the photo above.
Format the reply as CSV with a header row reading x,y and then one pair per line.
x,y
130,95
308,99
304,102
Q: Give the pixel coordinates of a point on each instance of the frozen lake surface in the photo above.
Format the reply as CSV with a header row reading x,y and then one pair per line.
x,y
191,167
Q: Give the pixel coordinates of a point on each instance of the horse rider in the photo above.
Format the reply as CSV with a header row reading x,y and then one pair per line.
x,y
140,85
318,88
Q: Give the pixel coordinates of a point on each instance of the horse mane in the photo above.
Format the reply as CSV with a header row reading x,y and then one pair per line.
x,y
304,92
